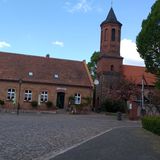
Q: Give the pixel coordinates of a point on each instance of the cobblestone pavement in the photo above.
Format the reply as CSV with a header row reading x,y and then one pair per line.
x,y
37,136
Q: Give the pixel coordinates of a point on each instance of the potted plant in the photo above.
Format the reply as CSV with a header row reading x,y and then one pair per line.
x,y
34,104
49,104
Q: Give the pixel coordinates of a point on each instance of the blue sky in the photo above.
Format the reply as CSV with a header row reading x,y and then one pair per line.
x,y
68,29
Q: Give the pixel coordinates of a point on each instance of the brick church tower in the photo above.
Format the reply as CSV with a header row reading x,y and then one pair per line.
x,y
110,62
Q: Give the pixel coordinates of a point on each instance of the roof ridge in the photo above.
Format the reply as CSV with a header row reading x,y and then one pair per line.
x,y
35,56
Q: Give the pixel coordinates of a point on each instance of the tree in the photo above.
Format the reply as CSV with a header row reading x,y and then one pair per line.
x,y
153,106
118,97
148,40
125,90
92,65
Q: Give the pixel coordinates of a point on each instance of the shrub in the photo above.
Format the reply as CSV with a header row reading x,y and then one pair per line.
x,y
71,100
34,104
1,102
114,106
49,104
151,123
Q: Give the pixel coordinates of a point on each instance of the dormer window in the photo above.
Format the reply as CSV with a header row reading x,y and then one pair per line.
x,y
30,74
56,76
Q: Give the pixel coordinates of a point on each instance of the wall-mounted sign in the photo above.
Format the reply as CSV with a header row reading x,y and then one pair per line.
x,y
62,89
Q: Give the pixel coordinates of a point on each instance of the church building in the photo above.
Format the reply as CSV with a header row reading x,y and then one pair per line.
x,y
110,67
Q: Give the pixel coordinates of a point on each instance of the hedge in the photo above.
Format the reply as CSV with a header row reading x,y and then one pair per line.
x,y
152,123
113,106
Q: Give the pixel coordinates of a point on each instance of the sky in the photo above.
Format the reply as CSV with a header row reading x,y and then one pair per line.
x,y
68,29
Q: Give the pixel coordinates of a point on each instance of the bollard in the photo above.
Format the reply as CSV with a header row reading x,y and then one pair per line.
x,y
119,116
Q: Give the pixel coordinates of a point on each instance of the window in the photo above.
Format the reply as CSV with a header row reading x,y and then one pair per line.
x,y
112,67
30,74
44,96
77,98
11,94
105,34
56,76
101,36
113,34
28,95
119,35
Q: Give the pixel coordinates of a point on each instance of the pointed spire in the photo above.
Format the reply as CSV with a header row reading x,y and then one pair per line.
x,y
111,18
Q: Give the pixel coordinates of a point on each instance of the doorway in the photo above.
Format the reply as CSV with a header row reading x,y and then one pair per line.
x,y
60,100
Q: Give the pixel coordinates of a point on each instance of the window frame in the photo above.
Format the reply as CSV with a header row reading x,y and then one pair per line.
x,y
112,67
101,36
44,96
77,98
28,95
11,95
105,34
113,34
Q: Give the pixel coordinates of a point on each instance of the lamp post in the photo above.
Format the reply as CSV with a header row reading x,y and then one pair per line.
x,y
96,83
19,95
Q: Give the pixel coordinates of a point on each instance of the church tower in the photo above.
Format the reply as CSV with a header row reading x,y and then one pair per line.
x,y
110,62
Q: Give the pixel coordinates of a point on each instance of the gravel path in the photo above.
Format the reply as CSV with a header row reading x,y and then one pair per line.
x,y
37,136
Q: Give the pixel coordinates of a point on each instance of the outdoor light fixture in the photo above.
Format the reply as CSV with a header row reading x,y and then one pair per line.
x,y
96,82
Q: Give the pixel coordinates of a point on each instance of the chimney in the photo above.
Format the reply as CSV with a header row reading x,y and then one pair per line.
x,y
47,56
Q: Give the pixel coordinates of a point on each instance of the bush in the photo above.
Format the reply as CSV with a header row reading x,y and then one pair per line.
x,y
49,104
114,106
1,102
151,123
34,104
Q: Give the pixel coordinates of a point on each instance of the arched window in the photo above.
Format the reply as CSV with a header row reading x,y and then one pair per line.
x,y
119,35
112,67
28,95
113,34
77,98
11,94
101,36
105,34
44,96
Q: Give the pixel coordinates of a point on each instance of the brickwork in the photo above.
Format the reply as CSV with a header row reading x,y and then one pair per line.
x,y
104,64
36,90
109,66
107,46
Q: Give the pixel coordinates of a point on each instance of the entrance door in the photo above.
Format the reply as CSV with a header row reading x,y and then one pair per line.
x,y
60,100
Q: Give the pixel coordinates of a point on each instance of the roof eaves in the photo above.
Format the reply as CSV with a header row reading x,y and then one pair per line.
x,y
89,76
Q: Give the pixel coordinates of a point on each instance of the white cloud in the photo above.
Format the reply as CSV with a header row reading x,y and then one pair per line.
x,y
4,44
58,43
130,54
81,5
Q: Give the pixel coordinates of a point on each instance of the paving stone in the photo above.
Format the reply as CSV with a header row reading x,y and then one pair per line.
x,y
33,136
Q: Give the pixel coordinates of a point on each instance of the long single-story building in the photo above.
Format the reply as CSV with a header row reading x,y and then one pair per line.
x,y
26,78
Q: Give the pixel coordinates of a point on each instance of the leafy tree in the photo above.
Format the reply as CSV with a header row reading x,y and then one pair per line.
x,y
148,40
125,90
92,65
154,99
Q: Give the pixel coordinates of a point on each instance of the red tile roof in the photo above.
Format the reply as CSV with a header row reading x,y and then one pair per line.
x,y
16,66
135,74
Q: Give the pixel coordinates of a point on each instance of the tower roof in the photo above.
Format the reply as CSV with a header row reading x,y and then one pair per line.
x,y
111,18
